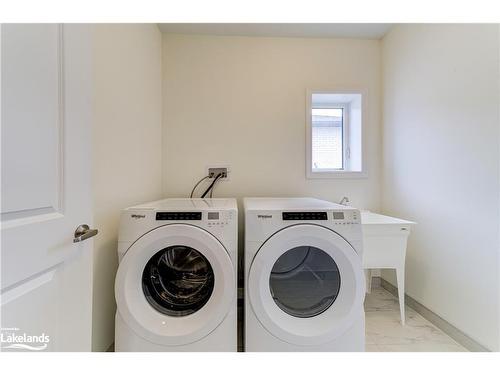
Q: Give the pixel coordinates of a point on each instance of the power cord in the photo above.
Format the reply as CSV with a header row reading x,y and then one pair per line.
x,y
211,185
213,188
195,186
212,191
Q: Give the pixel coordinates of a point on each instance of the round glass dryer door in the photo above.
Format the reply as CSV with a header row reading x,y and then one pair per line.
x,y
306,285
304,281
178,281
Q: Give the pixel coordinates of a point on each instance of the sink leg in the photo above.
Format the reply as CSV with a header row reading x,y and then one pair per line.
x,y
400,273
368,276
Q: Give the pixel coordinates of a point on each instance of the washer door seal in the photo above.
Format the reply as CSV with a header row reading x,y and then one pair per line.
x,y
178,281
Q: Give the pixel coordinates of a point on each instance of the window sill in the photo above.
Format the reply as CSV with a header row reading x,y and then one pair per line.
x,y
336,174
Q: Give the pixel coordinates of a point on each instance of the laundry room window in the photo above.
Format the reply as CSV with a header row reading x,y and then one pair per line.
x,y
334,129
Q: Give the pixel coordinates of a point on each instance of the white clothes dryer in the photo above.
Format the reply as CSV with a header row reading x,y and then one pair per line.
x,y
303,276
176,282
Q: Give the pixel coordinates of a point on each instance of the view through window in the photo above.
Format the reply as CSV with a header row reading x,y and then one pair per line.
x,y
327,138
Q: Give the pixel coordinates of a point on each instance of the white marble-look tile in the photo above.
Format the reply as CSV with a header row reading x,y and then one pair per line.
x,y
421,347
380,300
384,331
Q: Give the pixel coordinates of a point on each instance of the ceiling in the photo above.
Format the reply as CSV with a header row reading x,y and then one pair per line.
x,y
295,30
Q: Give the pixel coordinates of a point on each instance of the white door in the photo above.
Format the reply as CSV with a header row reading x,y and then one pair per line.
x,y
175,285
306,285
46,278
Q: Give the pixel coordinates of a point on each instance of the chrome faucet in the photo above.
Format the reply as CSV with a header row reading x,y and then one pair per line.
x,y
345,201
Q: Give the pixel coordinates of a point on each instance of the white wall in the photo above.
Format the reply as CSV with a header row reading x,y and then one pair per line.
x,y
441,167
241,101
126,147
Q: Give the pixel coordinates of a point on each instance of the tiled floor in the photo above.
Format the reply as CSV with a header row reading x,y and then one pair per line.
x,y
384,332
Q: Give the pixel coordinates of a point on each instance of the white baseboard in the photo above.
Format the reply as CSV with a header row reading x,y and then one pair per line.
x,y
452,331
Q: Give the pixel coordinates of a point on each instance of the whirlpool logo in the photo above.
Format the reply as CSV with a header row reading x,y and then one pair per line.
x,y
265,216
11,338
137,216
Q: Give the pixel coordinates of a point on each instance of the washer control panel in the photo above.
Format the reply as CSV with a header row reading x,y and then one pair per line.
x,y
346,217
218,219
211,219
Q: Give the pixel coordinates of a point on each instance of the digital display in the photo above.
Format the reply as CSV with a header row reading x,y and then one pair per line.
x,y
178,216
213,216
338,216
305,216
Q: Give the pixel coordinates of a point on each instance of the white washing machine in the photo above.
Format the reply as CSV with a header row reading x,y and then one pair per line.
x,y
176,283
303,276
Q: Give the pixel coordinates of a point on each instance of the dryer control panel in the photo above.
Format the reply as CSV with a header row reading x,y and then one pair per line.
x,y
337,217
301,215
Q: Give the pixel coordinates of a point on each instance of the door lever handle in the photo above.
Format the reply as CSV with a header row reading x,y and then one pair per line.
x,y
83,232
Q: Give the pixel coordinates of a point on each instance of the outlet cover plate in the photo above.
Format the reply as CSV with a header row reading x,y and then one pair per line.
x,y
214,169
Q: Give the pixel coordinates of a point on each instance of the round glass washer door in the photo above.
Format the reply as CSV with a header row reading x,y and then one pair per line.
x,y
175,285
306,285
178,281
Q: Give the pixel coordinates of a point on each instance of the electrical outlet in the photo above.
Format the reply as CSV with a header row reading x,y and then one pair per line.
x,y
215,171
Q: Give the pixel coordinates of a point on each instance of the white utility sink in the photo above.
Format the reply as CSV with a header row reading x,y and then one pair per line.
x,y
370,218
384,246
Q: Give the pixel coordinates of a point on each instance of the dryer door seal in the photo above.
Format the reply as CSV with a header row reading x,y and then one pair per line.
x,y
306,285
175,285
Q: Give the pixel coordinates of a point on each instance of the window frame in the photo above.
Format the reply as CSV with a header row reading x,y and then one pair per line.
x,y
336,173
